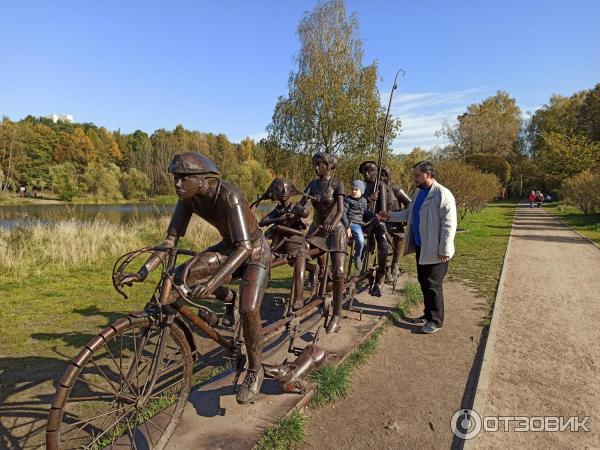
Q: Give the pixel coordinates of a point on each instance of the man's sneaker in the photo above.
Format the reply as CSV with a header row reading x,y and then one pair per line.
x,y
430,328
419,320
250,387
357,263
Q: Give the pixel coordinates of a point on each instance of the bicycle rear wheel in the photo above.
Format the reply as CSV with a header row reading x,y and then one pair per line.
x,y
106,398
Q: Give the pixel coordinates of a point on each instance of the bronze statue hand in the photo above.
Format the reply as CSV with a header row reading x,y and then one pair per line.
x,y
329,228
199,291
384,216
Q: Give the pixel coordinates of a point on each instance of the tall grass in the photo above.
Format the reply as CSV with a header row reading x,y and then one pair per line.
x,y
40,246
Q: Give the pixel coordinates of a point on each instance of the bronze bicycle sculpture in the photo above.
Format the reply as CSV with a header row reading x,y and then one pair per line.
x,y
131,381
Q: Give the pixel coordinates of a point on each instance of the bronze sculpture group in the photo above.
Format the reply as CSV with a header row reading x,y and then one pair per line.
x,y
145,361
244,248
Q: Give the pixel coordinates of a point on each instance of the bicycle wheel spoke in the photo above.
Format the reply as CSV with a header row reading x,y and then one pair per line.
x,y
103,374
148,431
154,425
114,394
121,375
95,417
126,390
106,431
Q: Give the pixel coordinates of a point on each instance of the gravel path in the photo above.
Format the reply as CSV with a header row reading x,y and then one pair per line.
x,y
546,358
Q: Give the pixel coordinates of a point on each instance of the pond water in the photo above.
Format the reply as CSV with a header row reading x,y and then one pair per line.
x,y
18,215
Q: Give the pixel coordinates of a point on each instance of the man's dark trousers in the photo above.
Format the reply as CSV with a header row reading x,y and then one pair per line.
x,y
431,277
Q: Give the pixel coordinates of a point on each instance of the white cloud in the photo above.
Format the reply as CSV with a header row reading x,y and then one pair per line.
x,y
422,115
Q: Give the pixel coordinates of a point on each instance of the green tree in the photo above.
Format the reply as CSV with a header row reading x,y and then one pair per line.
x,y
491,164
102,182
589,115
492,126
333,104
64,181
135,184
565,155
471,188
583,190
251,177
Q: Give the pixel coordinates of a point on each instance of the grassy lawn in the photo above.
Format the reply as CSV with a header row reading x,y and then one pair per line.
x,y
588,225
480,249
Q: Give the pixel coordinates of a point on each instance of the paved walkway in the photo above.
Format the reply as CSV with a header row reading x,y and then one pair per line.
x,y
546,355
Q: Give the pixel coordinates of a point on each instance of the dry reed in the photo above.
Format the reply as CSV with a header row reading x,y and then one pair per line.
x,y
69,243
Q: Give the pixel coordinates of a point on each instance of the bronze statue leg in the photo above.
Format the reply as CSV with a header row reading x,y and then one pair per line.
x,y
337,262
254,282
299,265
382,252
397,254
252,290
203,269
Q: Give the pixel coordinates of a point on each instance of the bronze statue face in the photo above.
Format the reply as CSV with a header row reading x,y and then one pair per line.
x,y
280,190
189,185
370,172
321,169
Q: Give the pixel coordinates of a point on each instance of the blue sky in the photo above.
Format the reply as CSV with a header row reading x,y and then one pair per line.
x,y
220,66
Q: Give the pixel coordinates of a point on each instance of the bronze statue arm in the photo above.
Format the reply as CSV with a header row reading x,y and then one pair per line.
x,y
403,197
338,216
270,220
382,197
177,228
155,259
236,259
238,230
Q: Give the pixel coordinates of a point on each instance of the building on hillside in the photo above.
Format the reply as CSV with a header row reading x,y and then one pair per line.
x,y
62,117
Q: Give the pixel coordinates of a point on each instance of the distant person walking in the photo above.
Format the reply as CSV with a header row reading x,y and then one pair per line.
x,y
539,198
431,219
531,199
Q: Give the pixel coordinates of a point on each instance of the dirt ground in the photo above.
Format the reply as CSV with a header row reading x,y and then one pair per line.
x,y
405,395
546,358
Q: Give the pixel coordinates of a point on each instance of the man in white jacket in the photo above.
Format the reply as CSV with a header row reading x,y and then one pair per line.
x,y
431,219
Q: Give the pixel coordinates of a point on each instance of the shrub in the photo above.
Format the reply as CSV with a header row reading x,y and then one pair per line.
x,y
102,181
471,188
251,177
135,184
64,181
583,191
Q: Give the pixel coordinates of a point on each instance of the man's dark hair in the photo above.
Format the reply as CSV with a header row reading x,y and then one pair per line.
x,y
425,166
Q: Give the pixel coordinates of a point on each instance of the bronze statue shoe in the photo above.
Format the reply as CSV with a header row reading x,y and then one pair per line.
x,y
298,304
333,325
228,319
375,290
250,388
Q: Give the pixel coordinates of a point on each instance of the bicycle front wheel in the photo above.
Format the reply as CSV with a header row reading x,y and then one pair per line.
x,y
108,397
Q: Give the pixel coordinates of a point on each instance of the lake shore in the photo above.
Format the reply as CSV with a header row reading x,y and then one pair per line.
x,y
15,200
